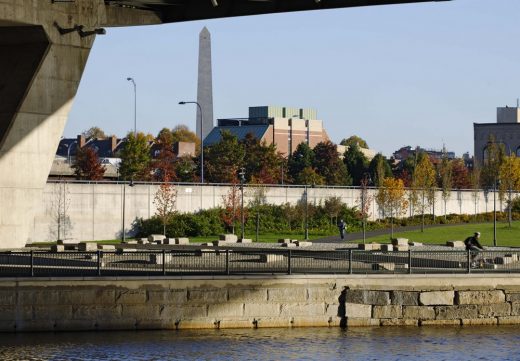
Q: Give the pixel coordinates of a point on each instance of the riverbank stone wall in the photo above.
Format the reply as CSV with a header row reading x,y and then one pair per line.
x,y
251,302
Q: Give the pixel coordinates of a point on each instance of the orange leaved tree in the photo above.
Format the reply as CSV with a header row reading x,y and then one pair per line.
x,y
391,197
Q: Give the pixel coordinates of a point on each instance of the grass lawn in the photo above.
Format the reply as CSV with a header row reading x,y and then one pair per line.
x,y
439,235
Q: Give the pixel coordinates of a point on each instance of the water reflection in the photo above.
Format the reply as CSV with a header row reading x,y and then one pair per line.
x,y
389,343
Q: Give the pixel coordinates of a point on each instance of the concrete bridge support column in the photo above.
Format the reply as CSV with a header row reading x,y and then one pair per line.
x,y
40,70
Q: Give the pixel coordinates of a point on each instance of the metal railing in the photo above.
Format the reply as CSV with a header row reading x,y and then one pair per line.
x,y
252,261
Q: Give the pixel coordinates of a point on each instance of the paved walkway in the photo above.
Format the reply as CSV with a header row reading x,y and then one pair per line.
x,y
359,235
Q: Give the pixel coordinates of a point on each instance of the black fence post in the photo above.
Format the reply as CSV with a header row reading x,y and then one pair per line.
x,y
257,225
350,261
227,262
98,252
164,262
468,261
32,263
409,261
289,266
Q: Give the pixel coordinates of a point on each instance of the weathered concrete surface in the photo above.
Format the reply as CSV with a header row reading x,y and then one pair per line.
x,y
95,209
436,298
230,302
41,72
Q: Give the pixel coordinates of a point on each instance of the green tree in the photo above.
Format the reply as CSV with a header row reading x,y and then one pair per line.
x,y
135,158
354,140
379,169
185,169
328,164
223,159
87,164
356,163
262,162
309,176
333,205
302,157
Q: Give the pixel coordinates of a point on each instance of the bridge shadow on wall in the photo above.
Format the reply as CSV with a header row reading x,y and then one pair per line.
x,y
23,50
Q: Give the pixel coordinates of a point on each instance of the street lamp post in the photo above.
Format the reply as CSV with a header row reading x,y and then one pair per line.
x,y
495,182
135,105
201,139
68,149
131,184
305,193
364,184
242,175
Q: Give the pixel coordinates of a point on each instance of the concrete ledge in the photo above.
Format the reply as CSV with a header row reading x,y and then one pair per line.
x,y
440,322
479,321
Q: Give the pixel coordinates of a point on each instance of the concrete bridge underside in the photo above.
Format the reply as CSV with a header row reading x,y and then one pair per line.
x,y
44,46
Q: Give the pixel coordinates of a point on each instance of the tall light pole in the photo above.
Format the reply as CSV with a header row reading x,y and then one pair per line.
x,y
495,212
135,105
69,146
306,213
131,184
201,140
365,182
242,175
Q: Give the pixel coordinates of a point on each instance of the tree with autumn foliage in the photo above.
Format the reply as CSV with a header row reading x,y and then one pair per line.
x,y
391,198
87,164
509,174
460,174
164,164
164,201
445,171
232,211
424,183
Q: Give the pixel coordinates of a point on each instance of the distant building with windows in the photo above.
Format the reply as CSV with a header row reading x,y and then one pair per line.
x,y
107,149
283,126
506,132
435,155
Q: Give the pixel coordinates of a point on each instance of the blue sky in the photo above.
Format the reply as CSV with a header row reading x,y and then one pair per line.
x,y
397,75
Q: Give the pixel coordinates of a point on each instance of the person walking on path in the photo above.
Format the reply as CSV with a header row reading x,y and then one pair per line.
x,y
342,226
473,245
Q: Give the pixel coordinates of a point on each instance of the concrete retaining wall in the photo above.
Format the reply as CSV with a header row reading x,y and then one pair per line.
x,y
248,302
95,210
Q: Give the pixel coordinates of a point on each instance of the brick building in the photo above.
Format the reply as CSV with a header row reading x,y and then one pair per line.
x,y
283,126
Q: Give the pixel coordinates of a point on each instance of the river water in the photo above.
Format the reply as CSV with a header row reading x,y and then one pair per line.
x,y
377,343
